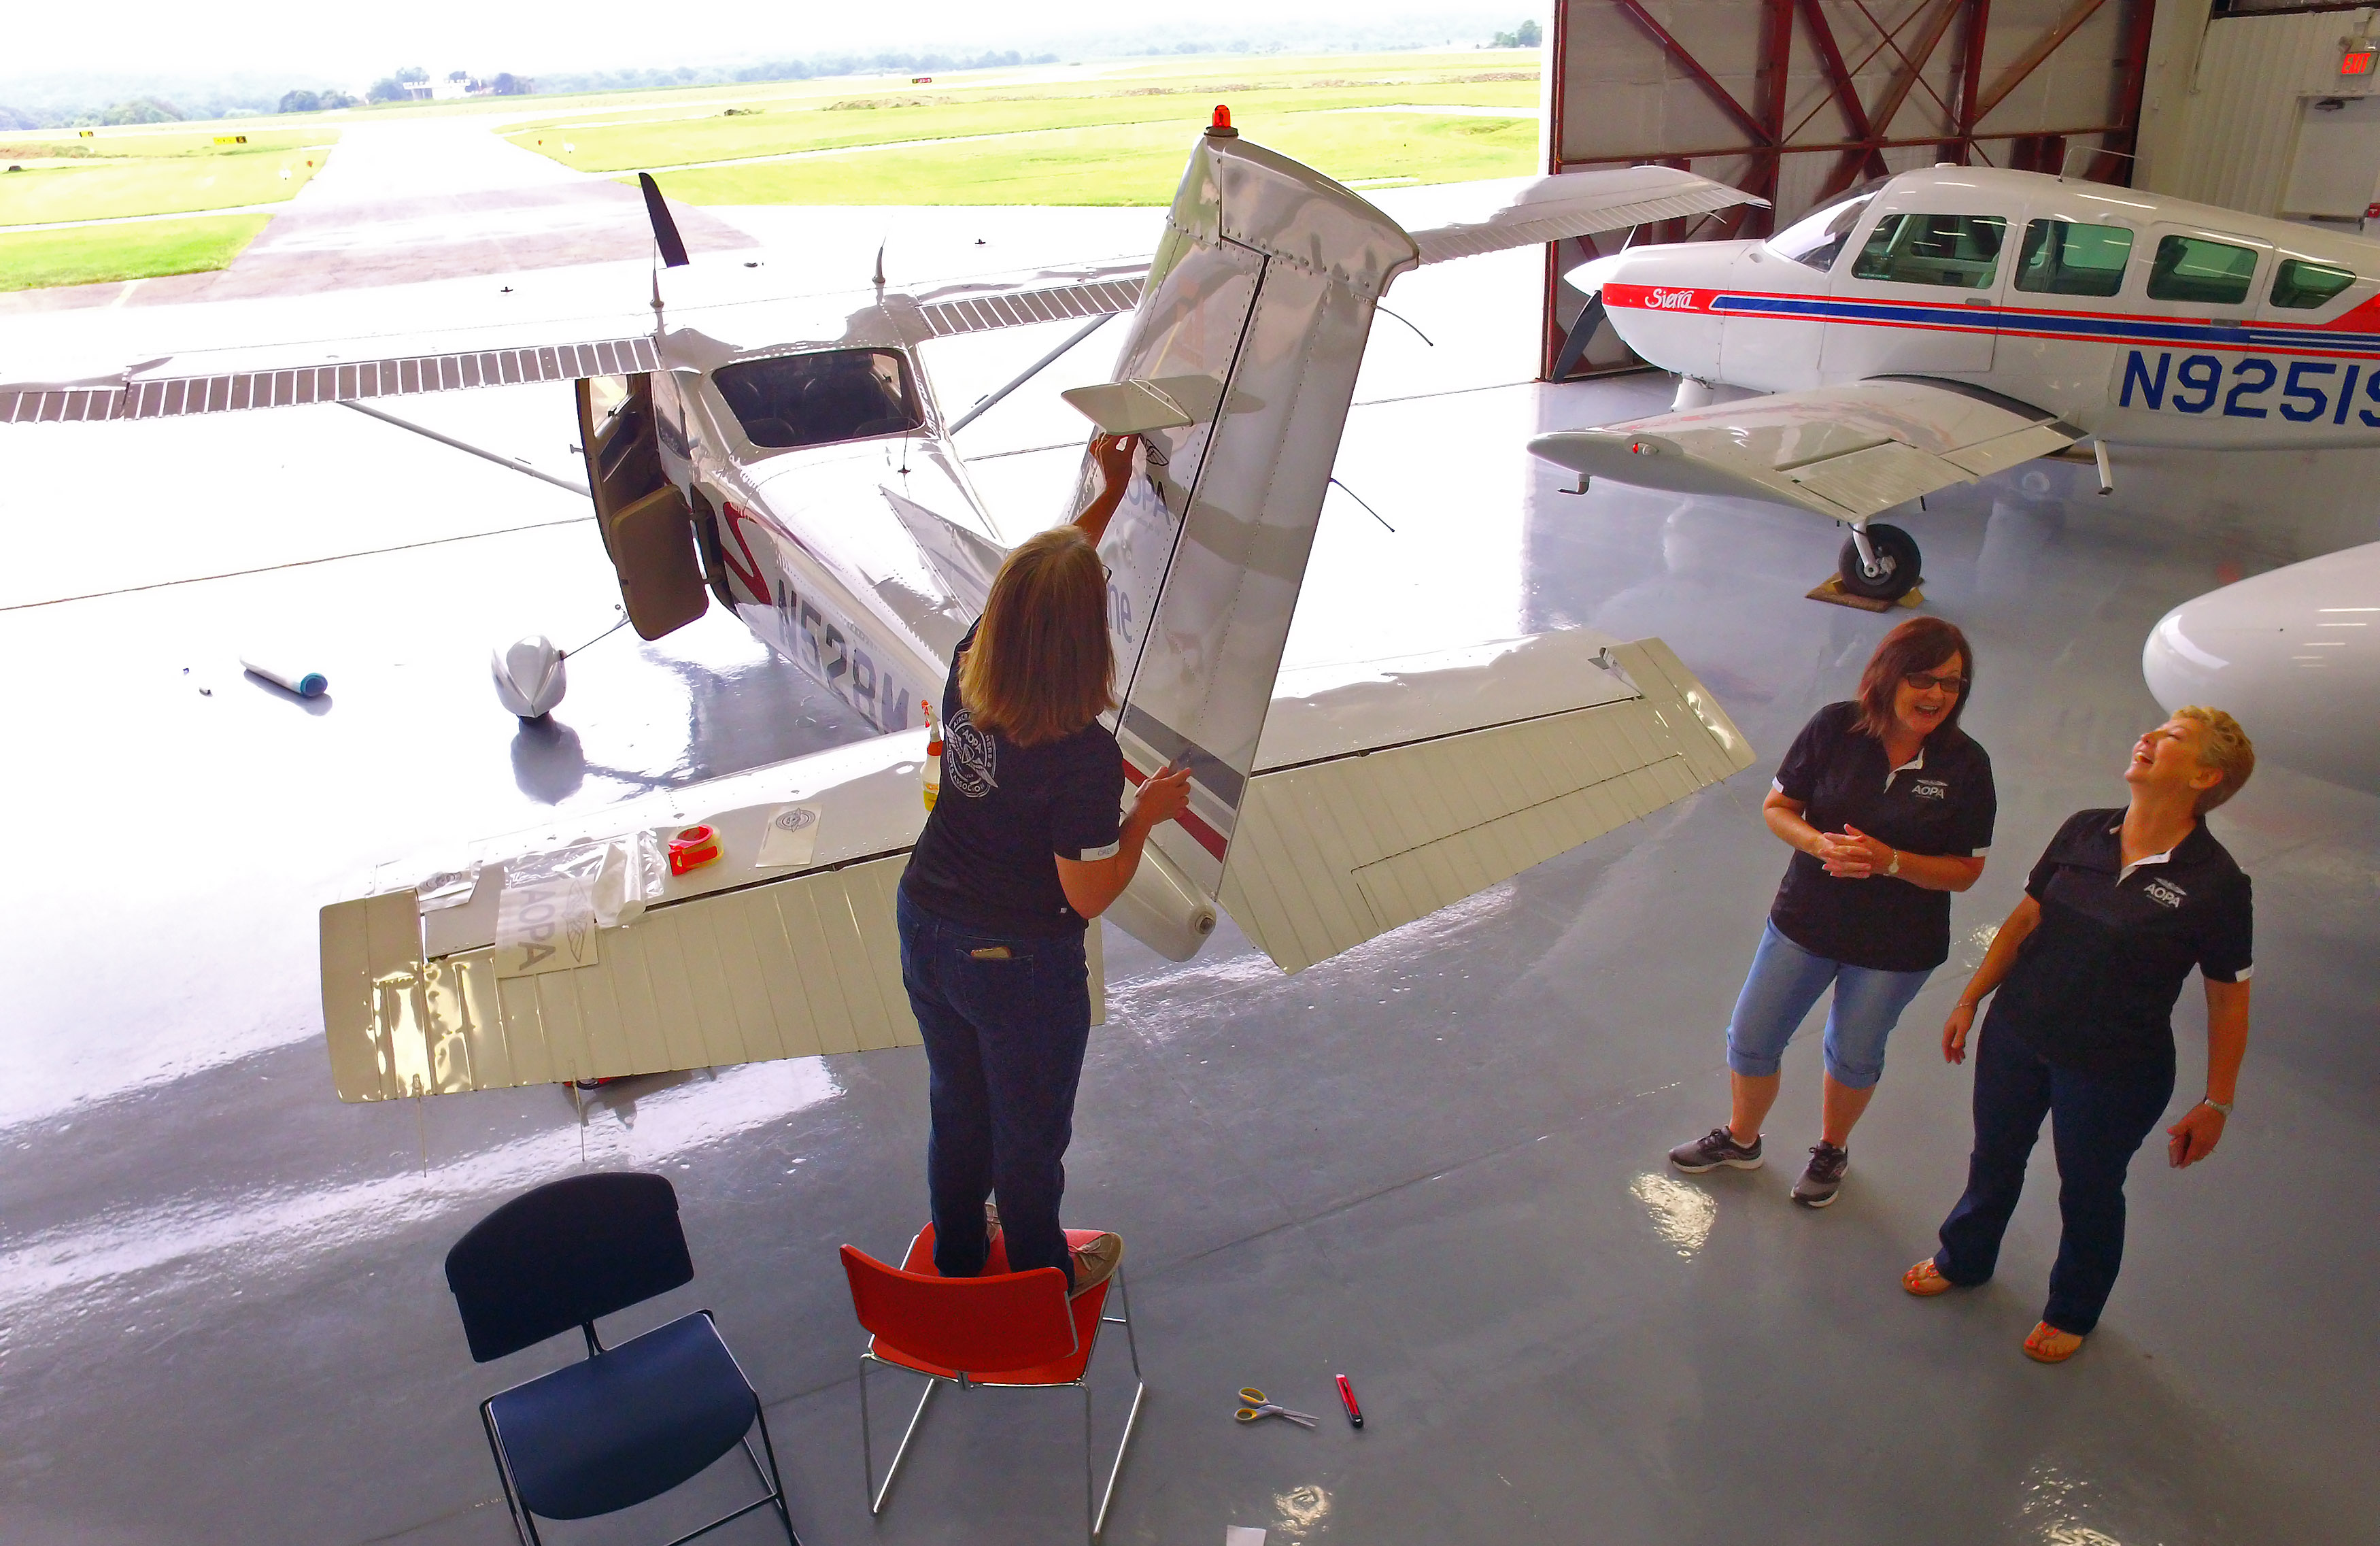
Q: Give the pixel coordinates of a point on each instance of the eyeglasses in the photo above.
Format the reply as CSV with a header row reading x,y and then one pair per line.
x,y
1920,681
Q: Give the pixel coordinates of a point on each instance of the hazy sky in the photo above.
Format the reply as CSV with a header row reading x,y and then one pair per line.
x,y
347,45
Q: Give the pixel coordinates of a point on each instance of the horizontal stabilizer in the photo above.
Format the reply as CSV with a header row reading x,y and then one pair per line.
x,y
1360,840
783,946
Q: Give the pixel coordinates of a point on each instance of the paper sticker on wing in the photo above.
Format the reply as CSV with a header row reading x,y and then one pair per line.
x,y
1843,452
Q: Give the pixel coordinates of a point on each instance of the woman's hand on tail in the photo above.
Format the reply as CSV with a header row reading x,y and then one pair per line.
x,y
1163,796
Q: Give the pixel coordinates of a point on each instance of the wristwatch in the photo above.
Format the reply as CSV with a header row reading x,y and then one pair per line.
x,y
1894,867
2223,1106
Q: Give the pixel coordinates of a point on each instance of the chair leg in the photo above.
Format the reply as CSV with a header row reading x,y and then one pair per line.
x,y
1140,1388
775,1481
524,1523
1132,1342
1090,1477
876,1504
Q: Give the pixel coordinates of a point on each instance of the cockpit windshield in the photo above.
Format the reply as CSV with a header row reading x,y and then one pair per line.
x,y
1816,240
816,399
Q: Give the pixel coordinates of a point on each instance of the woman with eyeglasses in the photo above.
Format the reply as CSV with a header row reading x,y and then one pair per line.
x,y
1888,806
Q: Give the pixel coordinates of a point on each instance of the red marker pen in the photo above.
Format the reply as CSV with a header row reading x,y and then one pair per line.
x,y
1347,1399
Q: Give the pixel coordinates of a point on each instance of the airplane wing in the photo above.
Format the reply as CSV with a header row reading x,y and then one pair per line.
x,y
1460,220
1843,452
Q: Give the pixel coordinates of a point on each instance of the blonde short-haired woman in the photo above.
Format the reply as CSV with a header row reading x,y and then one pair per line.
x,y
1026,843
2120,908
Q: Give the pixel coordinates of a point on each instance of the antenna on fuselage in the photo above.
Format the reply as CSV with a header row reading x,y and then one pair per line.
x,y
880,270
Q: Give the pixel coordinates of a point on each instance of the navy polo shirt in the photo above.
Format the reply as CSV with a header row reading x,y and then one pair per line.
x,y
1005,813
1941,801
2093,987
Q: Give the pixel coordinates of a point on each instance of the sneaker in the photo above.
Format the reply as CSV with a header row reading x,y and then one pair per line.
x,y
1825,1177
1715,1148
1096,1261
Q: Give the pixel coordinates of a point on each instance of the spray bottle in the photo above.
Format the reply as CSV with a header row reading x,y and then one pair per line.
x,y
933,769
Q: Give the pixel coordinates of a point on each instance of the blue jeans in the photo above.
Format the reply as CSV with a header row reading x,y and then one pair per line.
x,y
1786,980
2100,1123
1005,1023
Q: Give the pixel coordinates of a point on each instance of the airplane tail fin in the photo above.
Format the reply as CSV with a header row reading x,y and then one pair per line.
x,y
1237,375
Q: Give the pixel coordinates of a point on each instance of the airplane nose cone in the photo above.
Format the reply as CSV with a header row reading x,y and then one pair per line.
x,y
1592,275
2178,666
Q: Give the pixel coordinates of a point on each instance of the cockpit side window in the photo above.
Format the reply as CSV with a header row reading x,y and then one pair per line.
x,y
2062,258
1816,240
2301,286
794,400
1960,250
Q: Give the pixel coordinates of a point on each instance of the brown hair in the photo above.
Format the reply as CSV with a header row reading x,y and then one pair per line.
x,y
1041,667
1920,644
2224,747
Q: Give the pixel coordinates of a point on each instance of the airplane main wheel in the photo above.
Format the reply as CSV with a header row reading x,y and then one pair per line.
x,y
1896,573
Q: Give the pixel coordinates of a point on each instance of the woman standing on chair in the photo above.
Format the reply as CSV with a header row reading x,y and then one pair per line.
x,y
1022,848
2121,907
1888,806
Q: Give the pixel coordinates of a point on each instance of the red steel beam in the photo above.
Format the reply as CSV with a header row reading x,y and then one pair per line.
x,y
1896,91
1550,336
1838,78
1776,67
1718,93
2104,167
1971,74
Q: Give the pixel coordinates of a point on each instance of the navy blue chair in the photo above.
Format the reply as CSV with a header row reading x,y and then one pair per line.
x,y
630,1423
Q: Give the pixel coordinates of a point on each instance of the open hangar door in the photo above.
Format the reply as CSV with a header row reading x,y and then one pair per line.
x,y
1797,100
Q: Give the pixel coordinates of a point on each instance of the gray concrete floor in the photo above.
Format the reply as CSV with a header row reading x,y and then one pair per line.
x,y
1434,1164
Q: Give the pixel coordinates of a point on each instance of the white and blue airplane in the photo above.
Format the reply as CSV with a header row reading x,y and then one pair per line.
x,y
1939,325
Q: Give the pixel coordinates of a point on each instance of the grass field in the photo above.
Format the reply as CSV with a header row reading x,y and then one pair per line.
x,y
1138,163
96,254
113,173
672,135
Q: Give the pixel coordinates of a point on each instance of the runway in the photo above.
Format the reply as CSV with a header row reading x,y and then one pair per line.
x,y
1434,1164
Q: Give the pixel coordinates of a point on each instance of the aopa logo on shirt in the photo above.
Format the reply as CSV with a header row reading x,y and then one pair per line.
x,y
2163,892
1930,790
974,757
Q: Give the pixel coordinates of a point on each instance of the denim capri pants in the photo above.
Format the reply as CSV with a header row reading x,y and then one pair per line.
x,y
1786,980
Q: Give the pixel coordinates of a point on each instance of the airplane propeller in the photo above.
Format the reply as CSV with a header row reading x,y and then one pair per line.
x,y
665,237
1582,332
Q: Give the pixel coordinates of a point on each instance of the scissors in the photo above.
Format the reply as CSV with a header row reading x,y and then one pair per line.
x,y
1261,1408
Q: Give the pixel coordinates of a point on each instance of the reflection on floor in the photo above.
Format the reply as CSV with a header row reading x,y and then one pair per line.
x,y
1434,1164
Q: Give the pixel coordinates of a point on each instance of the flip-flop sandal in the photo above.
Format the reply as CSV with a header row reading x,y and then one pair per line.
x,y
1925,1280
2037,1348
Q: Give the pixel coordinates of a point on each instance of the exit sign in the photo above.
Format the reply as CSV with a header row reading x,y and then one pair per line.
x,y
2358,60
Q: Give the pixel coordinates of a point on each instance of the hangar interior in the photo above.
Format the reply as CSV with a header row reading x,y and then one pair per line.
x,y
1434,1164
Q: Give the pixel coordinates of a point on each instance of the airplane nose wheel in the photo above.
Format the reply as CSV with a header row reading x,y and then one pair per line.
x,y
1896,570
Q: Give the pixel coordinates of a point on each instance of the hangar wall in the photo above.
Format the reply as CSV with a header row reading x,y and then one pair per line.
x,y
2252,112
1795,99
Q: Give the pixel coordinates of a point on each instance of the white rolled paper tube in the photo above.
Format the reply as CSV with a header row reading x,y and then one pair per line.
x,y
305,684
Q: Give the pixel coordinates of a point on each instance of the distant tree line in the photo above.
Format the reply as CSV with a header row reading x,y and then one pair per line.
x,y
1528,35
823,68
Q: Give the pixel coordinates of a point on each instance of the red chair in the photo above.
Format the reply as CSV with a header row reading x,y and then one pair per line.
x,y
1002,1330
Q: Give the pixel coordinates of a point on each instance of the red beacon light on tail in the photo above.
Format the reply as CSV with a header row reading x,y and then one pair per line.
x,y
1221,127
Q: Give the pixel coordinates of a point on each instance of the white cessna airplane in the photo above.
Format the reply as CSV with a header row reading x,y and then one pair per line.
x,y
793,466
1947,323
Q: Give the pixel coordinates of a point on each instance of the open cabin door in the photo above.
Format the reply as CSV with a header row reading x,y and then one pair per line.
x,y
647,531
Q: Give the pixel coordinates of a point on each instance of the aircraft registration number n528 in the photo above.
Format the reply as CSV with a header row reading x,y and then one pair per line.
x,y
2249,386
